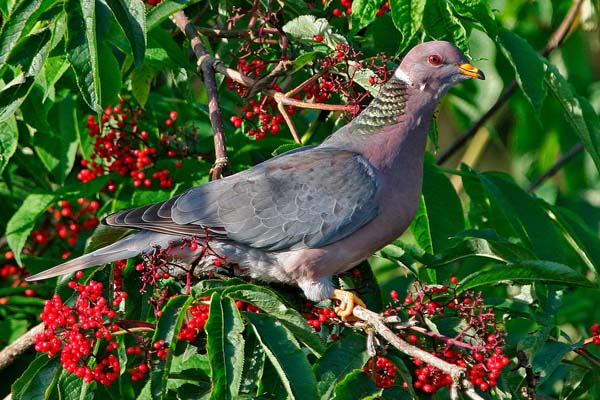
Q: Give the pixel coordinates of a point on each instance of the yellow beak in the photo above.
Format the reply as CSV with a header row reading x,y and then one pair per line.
x,y
469,70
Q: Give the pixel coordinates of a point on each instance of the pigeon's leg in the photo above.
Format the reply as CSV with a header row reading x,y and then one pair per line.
x,y
347,302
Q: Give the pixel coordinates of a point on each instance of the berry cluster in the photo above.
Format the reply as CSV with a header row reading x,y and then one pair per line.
x,y
122,146
382,370
194,321
477,345
74,332
65,221
318,316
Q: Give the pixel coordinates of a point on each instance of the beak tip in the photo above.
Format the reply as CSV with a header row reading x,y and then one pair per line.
x,y
471,71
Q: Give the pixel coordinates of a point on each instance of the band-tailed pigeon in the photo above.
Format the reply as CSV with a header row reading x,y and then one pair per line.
x,y
316,211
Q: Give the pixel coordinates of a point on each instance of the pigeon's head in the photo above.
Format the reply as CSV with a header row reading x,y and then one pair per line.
x,y
436,65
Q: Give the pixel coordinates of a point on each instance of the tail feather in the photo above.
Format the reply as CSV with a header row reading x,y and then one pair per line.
x,y
127,247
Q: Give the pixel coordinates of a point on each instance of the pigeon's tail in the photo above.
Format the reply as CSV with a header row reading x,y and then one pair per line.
x,y
127,247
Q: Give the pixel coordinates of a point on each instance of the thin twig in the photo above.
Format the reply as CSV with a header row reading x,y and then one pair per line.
x,y
289,122
11,352
221,166
558,164
377,322
555,40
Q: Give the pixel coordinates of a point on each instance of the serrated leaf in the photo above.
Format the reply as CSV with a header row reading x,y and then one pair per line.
x,y
408,18
357,386
22,222
70,386
526,272
57,148
479,12
440,24
254,364
14,27
82,49
577,110
285,355
9,136
225,346
38,379
131,16
270,303
306,27
363,13
343,356
528,65
167,329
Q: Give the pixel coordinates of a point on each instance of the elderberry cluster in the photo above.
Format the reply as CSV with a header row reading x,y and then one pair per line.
x,y
122,146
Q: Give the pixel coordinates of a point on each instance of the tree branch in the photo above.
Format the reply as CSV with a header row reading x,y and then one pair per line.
x,y
377,322
221,165
11,352
555,40
558,164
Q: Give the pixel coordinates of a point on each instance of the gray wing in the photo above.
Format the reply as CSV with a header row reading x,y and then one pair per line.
x,y
297,200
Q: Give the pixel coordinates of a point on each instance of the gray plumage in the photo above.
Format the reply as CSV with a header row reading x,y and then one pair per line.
x,y
305,215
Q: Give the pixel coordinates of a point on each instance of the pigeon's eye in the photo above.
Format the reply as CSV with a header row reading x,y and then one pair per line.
x,y
434,59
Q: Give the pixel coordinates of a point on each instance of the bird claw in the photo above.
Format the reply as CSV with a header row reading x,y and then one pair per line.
x,y
347,302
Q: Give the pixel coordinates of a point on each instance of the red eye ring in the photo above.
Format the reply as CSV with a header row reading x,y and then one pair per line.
x,y
434,59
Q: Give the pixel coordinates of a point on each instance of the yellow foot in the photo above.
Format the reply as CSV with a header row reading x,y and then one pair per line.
x,y
347,301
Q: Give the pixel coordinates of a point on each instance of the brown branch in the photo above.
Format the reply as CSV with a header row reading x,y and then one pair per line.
x,y
221,165
377,322
555,40
289,122
11,352
558,164
237,33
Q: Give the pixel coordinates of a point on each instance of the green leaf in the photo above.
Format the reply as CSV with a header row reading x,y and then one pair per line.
x,y
225,346
577,110
408,18
440,24
14,27
254,365
131,16
343,356
585,241
9,136
285,355
82,49
481,243
528,65
22,222
13,94
167,329
285,148
440,214
270,303
526,271
363,13
141,80
357,386
479,12
306,27
164,10
58,147
550,357
110,75
70,386
38,380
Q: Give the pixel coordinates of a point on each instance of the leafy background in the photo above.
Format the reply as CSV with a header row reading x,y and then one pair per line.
x,y
532,249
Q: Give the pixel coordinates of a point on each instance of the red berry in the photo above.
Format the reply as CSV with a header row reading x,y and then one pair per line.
x,y
318,38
